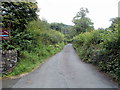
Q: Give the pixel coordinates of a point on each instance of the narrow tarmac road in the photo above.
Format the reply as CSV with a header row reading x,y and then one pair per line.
x,y
65,70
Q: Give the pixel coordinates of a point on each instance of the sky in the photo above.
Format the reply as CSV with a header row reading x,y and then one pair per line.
x,y
63,11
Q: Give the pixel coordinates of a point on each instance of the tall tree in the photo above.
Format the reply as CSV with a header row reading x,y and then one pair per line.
x,y
115,23
82,23
19,14
115,27
82,13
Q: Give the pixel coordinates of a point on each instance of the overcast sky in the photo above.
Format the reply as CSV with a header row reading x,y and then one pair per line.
x,y
100,11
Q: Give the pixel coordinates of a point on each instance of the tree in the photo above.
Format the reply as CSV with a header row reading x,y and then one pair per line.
x,y
82,23
115,27
56,26
19,14
115,23
82,13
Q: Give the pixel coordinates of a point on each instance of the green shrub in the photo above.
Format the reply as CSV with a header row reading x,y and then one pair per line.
x,y
29,60
35,46
101,48
52,37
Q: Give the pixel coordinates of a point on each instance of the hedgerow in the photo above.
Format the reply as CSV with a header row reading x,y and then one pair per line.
x,y
31,37
100,47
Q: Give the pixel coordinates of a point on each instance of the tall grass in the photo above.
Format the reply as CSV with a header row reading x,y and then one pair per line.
x,y
28,61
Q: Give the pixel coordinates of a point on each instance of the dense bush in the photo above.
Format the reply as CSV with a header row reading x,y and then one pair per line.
x,y
52,37
29,60
42,34
31,37
41,45
100,47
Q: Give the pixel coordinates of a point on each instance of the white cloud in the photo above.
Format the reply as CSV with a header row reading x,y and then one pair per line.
x,y
101,11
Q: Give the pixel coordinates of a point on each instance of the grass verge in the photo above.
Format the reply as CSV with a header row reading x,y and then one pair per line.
x,y
30,60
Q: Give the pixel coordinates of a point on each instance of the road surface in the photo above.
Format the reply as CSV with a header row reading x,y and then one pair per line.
x,y
64,70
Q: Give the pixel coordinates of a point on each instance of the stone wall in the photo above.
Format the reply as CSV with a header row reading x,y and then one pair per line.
x,y
8,60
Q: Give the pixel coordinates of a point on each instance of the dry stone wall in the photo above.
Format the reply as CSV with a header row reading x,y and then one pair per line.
x,y
8,60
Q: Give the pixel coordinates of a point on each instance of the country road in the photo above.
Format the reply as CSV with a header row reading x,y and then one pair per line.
x,y
63,70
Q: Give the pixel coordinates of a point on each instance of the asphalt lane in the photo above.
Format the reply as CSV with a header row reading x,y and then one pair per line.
x,y
65,70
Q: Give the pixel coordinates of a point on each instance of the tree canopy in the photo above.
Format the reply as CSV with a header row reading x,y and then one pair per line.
x,y
82,23
18,14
